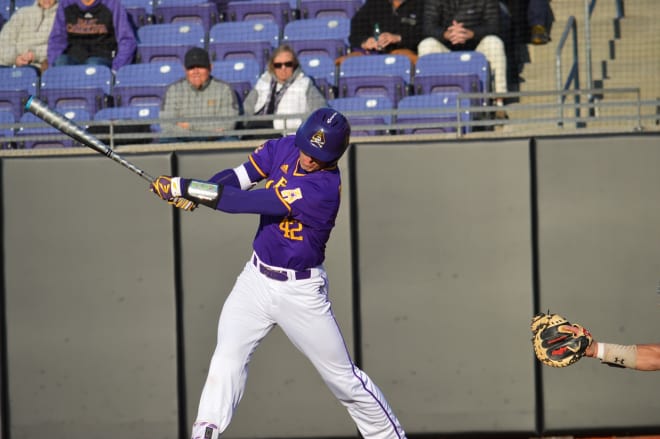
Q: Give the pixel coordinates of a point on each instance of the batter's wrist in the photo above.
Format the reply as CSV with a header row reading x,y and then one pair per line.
x,y
202,192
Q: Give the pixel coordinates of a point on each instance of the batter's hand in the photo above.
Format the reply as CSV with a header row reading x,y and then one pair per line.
x,y
182,203
165,187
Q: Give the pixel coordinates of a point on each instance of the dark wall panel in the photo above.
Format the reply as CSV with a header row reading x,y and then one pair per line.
x,y
285,397
599,235
89,300
445,261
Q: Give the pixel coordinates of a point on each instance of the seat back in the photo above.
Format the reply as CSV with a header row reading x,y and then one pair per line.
x,y
203,12
87,87
278,11
17,84
242,75
39,134
466,71
362,111
327,9
375,75
254,39
145,84
322,69
140,12
312,36
168,42
443,110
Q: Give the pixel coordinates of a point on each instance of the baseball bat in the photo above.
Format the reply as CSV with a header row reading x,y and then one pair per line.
x,y
68,127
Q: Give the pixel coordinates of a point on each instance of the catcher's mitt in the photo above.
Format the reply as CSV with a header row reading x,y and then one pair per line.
x,y
557,342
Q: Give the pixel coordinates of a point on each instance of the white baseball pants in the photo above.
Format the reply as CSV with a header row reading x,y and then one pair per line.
x,y
302,309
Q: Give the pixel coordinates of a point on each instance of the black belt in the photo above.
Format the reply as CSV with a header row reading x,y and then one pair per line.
x,y
281,275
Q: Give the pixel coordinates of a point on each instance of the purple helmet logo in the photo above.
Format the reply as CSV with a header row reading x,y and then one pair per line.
x,y
324,135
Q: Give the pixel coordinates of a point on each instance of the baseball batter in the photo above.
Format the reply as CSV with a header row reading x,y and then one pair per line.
x,y
284,282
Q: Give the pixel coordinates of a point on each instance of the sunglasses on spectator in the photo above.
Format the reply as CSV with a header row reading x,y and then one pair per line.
x,y
279,65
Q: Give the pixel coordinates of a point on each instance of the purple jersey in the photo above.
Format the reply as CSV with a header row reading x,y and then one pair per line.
x,y
298,240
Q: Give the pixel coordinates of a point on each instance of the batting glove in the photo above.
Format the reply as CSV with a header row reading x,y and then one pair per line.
x,y
182,203
166,187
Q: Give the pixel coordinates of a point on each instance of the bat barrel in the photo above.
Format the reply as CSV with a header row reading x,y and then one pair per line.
x,y
68,127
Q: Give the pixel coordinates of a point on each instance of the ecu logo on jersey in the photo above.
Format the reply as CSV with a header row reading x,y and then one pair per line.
x,y
318,139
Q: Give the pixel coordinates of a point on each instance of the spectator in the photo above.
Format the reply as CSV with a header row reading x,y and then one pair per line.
x,y
540,18
387,26
24,39
198,95
451,25
283,89
91,32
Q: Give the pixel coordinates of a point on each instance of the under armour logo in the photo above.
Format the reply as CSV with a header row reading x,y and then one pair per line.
x,y
618,360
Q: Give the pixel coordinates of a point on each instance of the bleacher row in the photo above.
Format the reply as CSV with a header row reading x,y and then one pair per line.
x,y
239,50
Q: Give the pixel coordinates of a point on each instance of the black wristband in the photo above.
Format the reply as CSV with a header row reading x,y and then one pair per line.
x,y
202,192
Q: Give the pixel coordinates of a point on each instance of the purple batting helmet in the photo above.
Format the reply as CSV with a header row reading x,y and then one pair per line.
x,y
324,135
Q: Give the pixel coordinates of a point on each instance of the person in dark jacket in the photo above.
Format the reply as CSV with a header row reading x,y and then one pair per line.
x,y
451,25
387,26
91,32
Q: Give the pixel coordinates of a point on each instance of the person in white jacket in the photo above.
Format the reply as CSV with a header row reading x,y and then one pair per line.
x,y
24,38
283,89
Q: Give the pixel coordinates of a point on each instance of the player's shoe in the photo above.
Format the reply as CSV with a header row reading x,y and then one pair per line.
x,y
205,430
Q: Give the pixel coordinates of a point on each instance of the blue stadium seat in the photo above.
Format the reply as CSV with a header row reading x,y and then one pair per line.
x,y
357,109
6,118
278,11
140,12
145,84
16,85
79,86
321,68
436,108
203,12
168,42
313,36
327,9
253,39
242,75
375,75
43,135
466,72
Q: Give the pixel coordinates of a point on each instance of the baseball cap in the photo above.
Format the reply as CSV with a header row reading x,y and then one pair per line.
x,y
197,57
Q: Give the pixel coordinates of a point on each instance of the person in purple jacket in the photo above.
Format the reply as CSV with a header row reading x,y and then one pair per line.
x,y
91,32
284,282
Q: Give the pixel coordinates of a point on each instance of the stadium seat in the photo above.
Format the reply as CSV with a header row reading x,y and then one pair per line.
x,y
436,108
16,85
45,136
312,36
168,42
375,75
6,118
321,68
203,12
79,86
6,10
253,39
357,108
240,74
278,11
140,12
147,115
466,72
327,9
145,84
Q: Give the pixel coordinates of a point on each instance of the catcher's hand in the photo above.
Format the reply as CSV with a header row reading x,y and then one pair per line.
x,y
557,342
